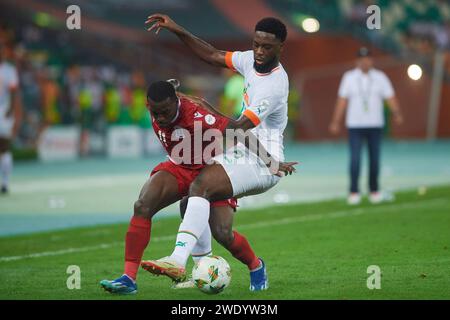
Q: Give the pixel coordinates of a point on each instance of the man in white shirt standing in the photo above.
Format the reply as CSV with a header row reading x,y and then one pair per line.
x,y
362,93
9,109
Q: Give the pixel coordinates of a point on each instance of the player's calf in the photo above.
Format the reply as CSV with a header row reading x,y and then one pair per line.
x,y
223,234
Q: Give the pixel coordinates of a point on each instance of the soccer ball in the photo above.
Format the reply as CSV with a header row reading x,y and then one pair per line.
x,y
212,274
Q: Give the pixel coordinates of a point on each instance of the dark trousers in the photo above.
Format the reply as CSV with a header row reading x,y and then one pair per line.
x,y
356,140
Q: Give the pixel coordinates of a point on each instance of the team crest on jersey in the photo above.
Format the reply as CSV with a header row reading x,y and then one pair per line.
x,y
210,119
262,107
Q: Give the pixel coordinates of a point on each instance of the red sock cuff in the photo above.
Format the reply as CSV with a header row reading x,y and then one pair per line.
x,y
140,222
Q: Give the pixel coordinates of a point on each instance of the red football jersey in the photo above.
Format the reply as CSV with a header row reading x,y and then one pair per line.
x,y
185,140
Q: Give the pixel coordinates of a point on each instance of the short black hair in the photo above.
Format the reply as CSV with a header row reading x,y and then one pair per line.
x,y
273,26
161,90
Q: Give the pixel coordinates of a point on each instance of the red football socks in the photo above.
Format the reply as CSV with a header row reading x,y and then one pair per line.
x,y
136,241
241,250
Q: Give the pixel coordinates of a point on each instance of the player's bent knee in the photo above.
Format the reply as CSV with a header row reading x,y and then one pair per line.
x,y
141,210
199,188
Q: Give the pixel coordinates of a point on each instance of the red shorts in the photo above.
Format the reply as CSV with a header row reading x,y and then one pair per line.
x,y
185,177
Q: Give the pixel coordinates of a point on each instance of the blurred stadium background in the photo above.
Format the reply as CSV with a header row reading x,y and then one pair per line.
x,y
86,146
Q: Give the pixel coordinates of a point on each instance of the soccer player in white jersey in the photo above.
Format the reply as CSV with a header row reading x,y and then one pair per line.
x,y
265,114
9,108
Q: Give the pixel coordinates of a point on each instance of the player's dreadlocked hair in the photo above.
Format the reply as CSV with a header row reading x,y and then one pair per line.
x,y
161,90
273,26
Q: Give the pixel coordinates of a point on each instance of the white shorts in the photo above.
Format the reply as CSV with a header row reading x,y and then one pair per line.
x,y
248,175
6,126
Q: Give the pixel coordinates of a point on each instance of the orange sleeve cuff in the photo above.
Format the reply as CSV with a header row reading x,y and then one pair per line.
x,y
228,59
252,116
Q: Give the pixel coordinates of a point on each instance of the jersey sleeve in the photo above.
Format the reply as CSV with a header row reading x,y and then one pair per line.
x,y
344,87
239,60
387,91
261,108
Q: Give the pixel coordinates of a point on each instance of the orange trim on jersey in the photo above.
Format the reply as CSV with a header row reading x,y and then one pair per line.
x,y
252,116
246,99
229,60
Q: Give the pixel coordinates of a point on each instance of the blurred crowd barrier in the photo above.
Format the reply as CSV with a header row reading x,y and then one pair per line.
x,y
64,143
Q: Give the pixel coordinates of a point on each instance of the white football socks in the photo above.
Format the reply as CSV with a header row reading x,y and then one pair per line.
x,y
6,165
194,223
203,246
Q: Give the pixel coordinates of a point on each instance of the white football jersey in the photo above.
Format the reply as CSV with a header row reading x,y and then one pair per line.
x,y
8,81
265,100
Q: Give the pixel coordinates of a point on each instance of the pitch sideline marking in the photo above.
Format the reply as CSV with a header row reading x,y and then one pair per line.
x,y
305,218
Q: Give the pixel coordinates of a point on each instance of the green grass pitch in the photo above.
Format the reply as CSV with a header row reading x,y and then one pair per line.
x,y
312,251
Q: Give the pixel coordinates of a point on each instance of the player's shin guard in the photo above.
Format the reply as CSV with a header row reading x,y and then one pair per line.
x,y
194,223
241,250
136,241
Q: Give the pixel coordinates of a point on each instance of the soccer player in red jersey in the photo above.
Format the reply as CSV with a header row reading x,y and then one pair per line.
x,y
174,119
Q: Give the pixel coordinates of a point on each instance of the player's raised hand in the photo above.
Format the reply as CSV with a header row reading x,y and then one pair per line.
x,y
157,21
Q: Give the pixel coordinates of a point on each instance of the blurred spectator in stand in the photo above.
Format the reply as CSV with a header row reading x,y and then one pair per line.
x,y
112,103
124,86
138,111
96,89
72,87
293,112
50,95
231,100
85,116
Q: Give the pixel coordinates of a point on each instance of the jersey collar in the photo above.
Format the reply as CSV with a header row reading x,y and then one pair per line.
x,y
178,112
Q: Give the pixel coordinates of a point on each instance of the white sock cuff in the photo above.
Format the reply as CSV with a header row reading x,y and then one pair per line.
x,y
198,201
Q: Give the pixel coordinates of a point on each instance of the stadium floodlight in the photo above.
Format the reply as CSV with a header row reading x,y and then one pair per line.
x,y
311,25
414,72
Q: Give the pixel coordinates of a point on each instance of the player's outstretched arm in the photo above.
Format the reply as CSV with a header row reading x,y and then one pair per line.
x,y
201,48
